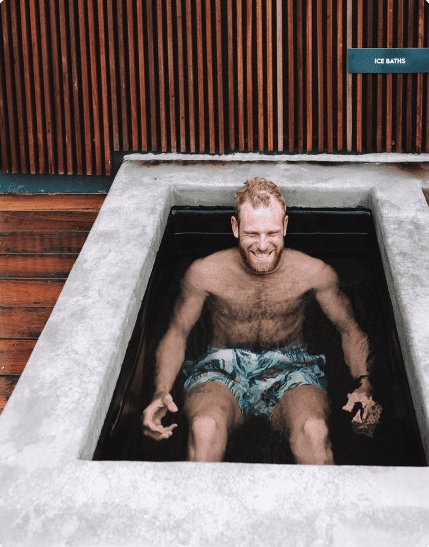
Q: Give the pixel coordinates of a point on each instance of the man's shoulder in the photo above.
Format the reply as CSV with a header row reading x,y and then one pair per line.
x,y
315,268
209,269
215,261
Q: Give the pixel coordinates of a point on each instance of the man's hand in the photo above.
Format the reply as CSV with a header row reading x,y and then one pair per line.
x,y
153,415
368,414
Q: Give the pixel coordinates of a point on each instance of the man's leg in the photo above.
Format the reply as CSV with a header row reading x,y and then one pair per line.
x,y
302,414
213,412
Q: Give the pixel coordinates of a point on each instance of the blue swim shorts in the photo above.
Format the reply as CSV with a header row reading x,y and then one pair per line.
x,y
257,380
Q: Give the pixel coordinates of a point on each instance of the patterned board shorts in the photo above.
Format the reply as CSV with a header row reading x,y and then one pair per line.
x,y
257,380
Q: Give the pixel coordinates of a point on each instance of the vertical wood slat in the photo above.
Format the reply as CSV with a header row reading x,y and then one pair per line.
x,y
270,104
171,88
10,95
240,76
57,86
300,76
182,126
320,97
66,87
290,83
105,103
151,67
112,69
419,103
190,59
210,90
369,77
49,121
75,90
31,129
389,91
94,89
249,76
309,94
218,18
199,15
427,89
231,121
85,90
340,76
380,98
399,80
18,88
142,76
359,114
349,115
260,75
122,74
132,75
329,80
162,106
280,102
409,92
5,164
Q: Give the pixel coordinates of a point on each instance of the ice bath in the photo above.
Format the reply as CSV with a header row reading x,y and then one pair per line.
x,y
53,492
346,240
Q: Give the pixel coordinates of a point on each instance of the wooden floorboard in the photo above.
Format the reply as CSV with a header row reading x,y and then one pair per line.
x,y
47,221
40,266
7,385
30,293
14,355
42,242
22,323
51,202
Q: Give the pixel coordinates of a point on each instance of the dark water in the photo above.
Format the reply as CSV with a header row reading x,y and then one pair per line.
x,y
343,238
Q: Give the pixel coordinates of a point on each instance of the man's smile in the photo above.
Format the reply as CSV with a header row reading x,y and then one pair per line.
x,y
262,255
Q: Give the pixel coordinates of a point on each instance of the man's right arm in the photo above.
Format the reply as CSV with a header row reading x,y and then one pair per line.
x,y
170,354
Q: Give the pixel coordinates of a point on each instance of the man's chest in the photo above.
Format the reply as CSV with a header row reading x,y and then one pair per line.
x,y
262,301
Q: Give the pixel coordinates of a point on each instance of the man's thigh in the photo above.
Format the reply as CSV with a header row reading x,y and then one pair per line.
x,y
298,405
213,399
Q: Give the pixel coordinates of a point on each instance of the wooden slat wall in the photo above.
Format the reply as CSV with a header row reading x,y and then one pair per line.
x,y
40,239
80,79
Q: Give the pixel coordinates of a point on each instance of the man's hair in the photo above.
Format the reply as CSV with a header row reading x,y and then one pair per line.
x,y
258,192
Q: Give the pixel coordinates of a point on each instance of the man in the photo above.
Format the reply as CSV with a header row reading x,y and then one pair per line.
x,y
257,362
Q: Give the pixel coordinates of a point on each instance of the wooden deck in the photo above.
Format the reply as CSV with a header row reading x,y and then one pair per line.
x,y
40,239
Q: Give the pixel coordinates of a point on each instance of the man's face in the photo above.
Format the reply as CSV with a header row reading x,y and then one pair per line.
x,y
260,235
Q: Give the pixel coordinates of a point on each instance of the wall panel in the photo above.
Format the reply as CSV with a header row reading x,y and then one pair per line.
x,y
80,79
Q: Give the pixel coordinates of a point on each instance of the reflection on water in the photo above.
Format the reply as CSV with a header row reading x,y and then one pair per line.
x,y
396,441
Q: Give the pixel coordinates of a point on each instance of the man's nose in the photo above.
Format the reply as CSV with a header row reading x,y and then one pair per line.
x,y
262,243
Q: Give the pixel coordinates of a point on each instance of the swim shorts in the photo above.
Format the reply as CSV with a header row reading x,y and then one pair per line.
x,y
257,380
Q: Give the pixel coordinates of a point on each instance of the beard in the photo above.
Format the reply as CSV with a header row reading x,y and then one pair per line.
x,y
260,267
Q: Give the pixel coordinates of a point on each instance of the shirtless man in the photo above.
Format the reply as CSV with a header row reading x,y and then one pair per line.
x,y
257,361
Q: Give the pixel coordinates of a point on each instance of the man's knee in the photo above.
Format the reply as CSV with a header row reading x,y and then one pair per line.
x,y
313,430
208,427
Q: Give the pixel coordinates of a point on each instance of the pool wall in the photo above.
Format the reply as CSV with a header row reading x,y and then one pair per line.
x,y
52,494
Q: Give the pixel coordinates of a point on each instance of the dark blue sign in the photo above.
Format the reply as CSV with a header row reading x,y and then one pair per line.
x,y
369,60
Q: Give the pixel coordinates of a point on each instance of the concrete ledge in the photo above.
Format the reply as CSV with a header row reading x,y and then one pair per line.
x,y
53,495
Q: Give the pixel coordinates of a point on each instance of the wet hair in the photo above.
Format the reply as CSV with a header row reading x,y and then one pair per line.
x,y
258,192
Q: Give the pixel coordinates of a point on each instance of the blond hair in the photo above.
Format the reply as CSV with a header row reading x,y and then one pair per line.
x,y
258,193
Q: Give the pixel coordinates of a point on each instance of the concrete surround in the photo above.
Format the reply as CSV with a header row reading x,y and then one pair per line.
x,y
52,494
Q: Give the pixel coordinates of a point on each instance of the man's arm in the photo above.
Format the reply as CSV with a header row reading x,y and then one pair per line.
x,y
336,306
355,344
170,354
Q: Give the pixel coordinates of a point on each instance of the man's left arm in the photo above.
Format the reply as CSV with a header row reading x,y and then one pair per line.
x,y
355,344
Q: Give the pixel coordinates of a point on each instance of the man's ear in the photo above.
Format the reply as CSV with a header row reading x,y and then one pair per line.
x,y
285,225
234,225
